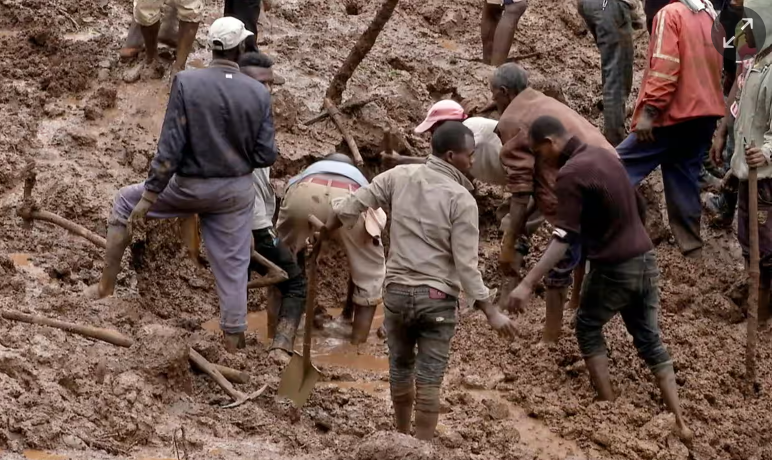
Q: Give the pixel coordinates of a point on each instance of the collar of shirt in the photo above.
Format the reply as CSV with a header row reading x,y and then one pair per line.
x,y
570,149
443,167
224,63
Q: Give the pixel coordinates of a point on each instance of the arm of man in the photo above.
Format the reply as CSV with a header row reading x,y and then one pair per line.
x,y
567,230
664,70
265,151
390,161
465,240
346,211
519,164
171,143
719,140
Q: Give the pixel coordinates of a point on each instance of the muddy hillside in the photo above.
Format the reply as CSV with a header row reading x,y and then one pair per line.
x,y
64,105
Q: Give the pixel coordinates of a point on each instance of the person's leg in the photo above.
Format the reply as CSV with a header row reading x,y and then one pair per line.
x,y
505,30
189,14
134,43
640,318
680,176
399,313
436,315
147,13
557,282
226,226
169,26
367,266
641,158
601,299
615,43
248,12
293,292
491,14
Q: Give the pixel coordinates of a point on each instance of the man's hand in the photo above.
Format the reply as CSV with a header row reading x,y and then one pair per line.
x,y
498,321
140,211
755,157
717,149
519,297
507,257
644,129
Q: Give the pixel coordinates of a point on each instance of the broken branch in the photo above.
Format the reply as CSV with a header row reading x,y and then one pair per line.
x,y
336,117
345,108
105,335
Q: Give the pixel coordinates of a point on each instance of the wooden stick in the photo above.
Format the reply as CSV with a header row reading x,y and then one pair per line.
x,y
753,273
336,117
106,335
345,108
30,215
360,50
232,374
275,274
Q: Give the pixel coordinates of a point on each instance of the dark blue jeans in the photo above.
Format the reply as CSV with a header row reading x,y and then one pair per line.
x,y
678,149
560,275
422,318
629,288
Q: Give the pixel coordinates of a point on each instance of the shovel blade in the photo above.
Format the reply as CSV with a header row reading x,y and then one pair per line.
x,y
297,382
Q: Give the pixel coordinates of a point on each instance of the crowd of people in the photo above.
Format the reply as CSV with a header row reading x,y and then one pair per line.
x,y
217,144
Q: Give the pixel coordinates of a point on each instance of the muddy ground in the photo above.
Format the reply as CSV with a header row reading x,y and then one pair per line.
x,y
63,104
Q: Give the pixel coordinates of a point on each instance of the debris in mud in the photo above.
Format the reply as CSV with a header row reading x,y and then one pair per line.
x,y
393,446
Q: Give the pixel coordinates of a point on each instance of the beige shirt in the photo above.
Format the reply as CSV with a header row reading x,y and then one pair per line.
x,y
754,119
434,226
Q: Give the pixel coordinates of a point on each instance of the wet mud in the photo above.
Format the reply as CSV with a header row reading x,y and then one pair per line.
x,y
66,396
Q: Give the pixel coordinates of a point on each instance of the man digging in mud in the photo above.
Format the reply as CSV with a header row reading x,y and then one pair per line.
x,y
313,192
433,255
606,215
753,148
529,177
134,43
204,166
147,13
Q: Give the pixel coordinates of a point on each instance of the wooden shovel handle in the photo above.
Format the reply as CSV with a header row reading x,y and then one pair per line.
x,y
215,374
106,335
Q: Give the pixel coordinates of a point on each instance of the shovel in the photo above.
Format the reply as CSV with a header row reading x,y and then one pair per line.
x,y
300,376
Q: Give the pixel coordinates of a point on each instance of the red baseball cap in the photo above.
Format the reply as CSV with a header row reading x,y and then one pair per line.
x,y
441,111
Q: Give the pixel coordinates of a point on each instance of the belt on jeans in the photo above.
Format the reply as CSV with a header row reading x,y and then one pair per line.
x,y
332,183
420,289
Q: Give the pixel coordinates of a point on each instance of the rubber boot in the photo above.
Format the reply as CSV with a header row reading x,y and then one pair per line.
x,y
403,398
363,321
185,38
667,385
597,366
425,424
134,43
169,32
553,323
118,240
286,329
348,310
234,342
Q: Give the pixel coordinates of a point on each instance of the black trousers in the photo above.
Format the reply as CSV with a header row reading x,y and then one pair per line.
x,y
247,11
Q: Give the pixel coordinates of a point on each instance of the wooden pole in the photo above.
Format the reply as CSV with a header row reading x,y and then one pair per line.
x,y
345,108
753,273
360,50
336,117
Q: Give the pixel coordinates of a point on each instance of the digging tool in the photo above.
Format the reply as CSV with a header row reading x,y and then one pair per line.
x,y
275,274
105,335
753,274
232,374
300,375
239,397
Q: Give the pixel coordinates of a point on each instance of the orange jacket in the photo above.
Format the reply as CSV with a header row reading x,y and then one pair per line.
x,y
683,78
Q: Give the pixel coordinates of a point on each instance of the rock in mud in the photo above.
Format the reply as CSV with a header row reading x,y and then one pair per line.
x,y
394,446
496,409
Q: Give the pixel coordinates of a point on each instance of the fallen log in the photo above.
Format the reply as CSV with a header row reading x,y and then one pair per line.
x,y
344,108
336,117
360,50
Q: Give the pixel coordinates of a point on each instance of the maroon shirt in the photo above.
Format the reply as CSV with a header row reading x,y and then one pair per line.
x,y
598,204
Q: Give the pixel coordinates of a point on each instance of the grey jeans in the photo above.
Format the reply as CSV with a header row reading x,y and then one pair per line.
x,y
424,318
610,24
629,288
224,206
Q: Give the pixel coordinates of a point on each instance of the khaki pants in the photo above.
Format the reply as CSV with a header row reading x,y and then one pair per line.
x,y
148,12
367,261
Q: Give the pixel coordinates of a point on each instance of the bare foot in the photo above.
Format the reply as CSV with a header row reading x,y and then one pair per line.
x,y
683,432
279,356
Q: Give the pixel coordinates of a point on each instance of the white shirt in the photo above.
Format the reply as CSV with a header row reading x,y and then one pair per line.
x,y
487,146
265,199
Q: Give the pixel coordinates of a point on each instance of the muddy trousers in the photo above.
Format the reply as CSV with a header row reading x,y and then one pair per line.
x,y
610,23
248,12
423,319
629,288
224,206
678,149
293,290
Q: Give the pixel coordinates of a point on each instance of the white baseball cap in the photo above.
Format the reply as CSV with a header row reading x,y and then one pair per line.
x,y
227,33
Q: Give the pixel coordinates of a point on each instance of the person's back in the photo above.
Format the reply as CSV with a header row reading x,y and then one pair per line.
x,y
228,121
610,221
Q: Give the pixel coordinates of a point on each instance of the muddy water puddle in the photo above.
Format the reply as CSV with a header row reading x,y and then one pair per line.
x,y
41,455
330,346
22,261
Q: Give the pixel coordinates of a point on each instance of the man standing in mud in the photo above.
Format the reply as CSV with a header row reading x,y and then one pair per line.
x,y
679,103
753,148
433,255
606,215
313,191
147,13
204,166
498,26
529,177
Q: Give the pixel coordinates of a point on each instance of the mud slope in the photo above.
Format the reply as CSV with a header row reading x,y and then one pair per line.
x,y
65,107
